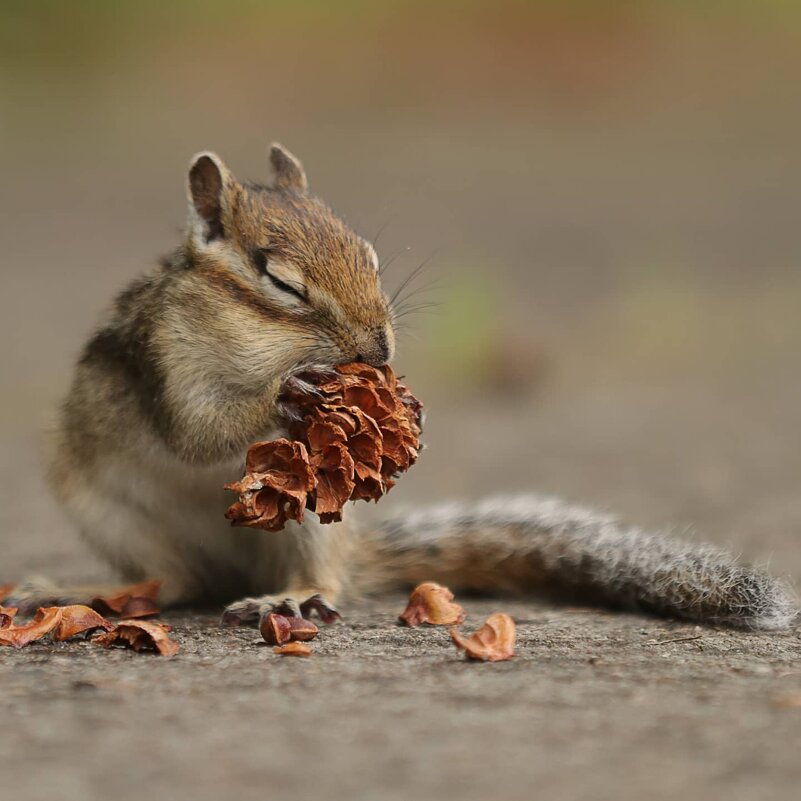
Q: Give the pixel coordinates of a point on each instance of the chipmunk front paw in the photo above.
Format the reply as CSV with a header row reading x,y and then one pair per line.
x,y
299,390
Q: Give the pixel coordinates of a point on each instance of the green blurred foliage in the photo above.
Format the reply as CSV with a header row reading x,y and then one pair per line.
x,y
460,333
672,316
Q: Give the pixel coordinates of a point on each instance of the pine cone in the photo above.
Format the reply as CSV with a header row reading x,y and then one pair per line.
x,y
352,437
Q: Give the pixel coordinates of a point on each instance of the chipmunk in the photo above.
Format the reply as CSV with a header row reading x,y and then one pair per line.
x,y
186,373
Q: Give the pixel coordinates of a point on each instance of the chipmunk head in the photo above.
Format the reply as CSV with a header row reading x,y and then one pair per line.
x,y
292,283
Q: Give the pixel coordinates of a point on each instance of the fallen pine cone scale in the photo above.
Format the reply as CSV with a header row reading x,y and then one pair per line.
x,y
493,642
432,604
140,635
295,648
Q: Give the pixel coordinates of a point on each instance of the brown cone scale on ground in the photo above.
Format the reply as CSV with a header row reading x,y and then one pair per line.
x,y
355,433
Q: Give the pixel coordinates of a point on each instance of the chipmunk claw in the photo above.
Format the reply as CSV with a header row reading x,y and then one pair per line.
x,y
294,396
241,613
317,603
301,390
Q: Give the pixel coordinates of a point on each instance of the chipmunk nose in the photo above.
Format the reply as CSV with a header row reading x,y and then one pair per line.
x,y
378,348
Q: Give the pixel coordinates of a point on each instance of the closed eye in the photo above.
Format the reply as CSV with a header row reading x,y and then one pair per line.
x,y
284,287
262,263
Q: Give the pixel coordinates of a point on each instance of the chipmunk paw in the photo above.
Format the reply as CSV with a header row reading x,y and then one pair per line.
x,y
249,611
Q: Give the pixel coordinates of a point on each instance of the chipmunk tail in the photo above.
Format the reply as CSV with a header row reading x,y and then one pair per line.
x,y
542,545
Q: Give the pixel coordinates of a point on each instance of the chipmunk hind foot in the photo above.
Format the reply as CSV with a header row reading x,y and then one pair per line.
x,y
298,603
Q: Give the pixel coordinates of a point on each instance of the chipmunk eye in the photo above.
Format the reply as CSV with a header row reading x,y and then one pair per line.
x,y
261,260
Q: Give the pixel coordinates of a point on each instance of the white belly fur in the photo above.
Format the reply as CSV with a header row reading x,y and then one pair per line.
x,y
151,515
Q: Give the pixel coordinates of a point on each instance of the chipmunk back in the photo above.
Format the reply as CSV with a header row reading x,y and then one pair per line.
x,y
186,372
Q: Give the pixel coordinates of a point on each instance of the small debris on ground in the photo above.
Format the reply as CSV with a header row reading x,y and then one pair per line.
x,y
493,642
136,600
279,629
141,635
293,649
432,603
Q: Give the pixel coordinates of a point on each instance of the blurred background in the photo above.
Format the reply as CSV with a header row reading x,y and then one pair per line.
x,y
605,197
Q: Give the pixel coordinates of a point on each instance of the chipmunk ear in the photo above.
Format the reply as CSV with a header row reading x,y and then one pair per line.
x,y
289,172
209,180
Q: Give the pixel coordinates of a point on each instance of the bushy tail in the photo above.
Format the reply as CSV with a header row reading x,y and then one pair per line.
x,y
535,544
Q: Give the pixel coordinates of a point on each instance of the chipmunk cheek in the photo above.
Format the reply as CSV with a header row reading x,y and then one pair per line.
x,y
320,350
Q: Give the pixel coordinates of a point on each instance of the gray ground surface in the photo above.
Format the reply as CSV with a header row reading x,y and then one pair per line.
x,y
594,706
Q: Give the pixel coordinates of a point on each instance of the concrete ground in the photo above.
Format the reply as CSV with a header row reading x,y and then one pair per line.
x,y
593,706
